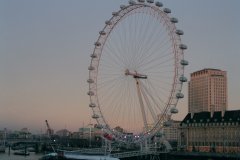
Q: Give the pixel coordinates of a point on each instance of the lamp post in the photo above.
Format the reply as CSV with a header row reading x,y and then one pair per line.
x,y
223,139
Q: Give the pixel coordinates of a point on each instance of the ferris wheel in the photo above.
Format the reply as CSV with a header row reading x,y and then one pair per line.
x,y
137,71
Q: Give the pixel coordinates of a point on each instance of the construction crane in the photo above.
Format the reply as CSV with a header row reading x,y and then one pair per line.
x,y
50,135
49,130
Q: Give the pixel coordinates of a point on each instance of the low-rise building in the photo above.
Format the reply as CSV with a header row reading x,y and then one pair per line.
x,y
90,132
63,133
211,132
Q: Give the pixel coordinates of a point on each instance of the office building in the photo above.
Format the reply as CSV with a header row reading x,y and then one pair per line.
x,y
172,132
207,91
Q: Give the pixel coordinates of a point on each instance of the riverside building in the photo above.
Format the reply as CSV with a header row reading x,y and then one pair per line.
x,y
211,132
207,91
209,127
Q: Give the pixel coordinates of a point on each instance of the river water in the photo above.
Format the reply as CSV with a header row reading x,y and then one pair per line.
x,y
32,156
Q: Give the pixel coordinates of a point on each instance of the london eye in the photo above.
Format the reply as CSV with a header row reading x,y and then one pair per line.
x,y
136,71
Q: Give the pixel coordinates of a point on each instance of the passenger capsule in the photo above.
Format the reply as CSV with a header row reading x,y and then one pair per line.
x,y
174,110
99,126
92,105
131,2
150,1
183,46
90,93
159,4
108,22
90,68
174,20
179,95
90,80
179,32
167,123
115,13
122,6
95,116
97,44
167,10
184,62
94,55
183,79
103,33
141,1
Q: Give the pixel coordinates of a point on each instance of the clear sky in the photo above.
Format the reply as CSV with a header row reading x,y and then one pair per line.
x,y
45,47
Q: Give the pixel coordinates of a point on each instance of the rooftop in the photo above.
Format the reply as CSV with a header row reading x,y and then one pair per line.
x,y
216,117
205,70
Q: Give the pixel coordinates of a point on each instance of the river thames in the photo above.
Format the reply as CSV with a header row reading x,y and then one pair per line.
x,y
33,156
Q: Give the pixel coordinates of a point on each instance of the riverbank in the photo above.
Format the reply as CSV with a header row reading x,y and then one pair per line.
x,y
200,155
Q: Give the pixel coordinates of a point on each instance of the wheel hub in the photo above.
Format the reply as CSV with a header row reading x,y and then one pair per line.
x,y
135,74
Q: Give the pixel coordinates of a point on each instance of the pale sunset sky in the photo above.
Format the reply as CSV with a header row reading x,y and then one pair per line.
x,y
45,47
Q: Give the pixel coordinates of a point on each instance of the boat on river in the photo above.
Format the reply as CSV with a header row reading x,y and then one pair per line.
x,y
22,153
51,156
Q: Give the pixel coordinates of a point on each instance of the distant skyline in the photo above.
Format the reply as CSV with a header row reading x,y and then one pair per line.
x,y
45,47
